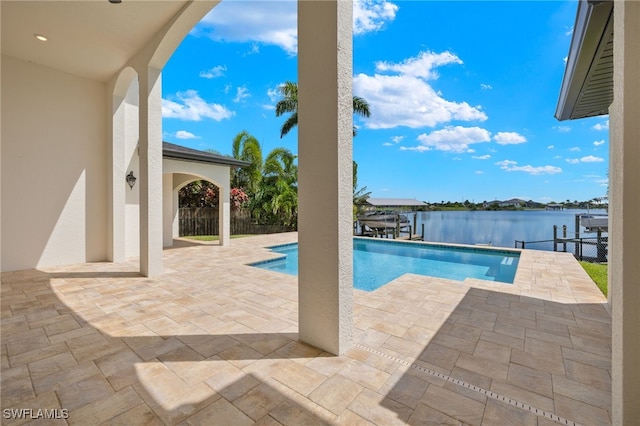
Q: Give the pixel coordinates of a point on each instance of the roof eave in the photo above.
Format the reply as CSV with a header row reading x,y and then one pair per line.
x,y
200,159
592,21
177,152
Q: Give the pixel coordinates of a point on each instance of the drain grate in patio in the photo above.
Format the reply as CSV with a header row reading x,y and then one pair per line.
x,y
487,393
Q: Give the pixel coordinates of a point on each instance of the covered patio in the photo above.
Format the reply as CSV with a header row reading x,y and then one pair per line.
x,y
214,341
191,333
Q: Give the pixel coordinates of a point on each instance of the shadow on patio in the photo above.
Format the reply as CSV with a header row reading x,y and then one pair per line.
x,y
215,342
103,368
506,359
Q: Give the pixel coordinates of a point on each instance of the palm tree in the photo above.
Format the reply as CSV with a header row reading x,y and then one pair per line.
x,y
289,103
276,200
360,196
247,148
281,176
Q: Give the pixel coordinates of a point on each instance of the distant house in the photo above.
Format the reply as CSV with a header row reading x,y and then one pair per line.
x,y
514,202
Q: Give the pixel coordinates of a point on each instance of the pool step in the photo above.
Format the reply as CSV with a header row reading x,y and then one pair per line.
x,y
506,261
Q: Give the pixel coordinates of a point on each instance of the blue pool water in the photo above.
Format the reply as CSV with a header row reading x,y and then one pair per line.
x,y
375,262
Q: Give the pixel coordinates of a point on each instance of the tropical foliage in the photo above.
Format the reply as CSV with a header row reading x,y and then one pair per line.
x,y
289,104
269,188
361,195
276,200
202,193
245,147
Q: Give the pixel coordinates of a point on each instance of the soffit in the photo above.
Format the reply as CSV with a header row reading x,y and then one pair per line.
x,y
89,38
587,87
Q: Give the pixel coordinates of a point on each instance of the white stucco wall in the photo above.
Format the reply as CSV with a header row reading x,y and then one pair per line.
x,y
624,202
54,167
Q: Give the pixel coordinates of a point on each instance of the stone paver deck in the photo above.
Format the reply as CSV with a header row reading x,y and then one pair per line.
x,y
213,341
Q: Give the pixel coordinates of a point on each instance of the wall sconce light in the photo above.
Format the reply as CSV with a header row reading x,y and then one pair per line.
x,y
131,179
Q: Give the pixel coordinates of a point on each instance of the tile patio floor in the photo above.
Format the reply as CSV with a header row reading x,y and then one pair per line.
x,y
213,341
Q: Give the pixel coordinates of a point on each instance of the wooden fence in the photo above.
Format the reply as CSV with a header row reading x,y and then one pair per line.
x,y
204,221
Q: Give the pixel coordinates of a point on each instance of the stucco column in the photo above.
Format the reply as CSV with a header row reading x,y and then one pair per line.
x,y
624,202
224,213
325,117
117,182
167,210
150,179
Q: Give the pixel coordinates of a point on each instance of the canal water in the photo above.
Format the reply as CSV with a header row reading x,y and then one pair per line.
x,y
499,228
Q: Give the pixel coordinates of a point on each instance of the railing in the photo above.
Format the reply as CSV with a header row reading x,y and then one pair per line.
x,y
589,249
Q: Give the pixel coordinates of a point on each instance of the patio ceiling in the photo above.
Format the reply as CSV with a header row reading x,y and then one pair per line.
x,y
587,86
91,39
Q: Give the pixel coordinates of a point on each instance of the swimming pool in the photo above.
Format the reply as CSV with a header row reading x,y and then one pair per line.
x,y
377,262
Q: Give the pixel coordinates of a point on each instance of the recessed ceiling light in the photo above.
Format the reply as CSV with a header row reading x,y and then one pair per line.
x,y
40,37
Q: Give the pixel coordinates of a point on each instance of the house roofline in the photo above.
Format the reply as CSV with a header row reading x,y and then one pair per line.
x,y
177,152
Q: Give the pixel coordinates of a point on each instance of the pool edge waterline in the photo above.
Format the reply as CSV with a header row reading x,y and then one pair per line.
x,y
456,262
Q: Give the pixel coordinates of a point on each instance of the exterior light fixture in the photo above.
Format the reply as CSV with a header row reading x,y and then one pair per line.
x,y
41,37
131,179
115,1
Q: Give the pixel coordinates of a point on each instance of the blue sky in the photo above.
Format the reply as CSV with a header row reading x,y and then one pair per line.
x,y
462,96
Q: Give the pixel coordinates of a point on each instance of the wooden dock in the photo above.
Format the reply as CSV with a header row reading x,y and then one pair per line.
x,y
413,237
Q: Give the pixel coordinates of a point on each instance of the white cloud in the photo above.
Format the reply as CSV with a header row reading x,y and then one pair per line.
x,y
215,72
565,59
512,166
268,22
601,126
569,31
371,15
598,143
485,86
481,157
509,138
550,147
273,94
479,172
452,139
183,134
242,93
269,107
394,140
587,159
190,106
276,22
255,49
422,66
562,129
575,149
406,98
